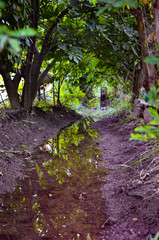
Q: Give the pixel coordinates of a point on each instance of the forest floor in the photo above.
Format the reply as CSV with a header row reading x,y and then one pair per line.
x,y
131,194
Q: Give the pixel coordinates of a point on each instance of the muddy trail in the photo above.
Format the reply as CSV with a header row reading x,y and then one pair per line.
x,y
61,178
131,194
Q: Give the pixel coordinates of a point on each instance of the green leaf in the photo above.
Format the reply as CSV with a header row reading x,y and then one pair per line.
x,y
144,129
157,236
101,10
153,91
3,41
132,4
2,4
134,51
23,146
138,137
23,33
153,112
60,8
118,4
152,60
62,46
4,29
94,2
14,44
155,121
125,46
75,59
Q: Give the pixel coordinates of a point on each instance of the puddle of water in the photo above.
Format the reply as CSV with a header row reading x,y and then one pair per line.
x,y
60,196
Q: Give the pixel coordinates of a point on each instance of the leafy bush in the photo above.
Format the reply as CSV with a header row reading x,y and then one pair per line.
x,y
94,102
71,96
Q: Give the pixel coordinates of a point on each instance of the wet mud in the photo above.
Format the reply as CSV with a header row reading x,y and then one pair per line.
x,y
59,196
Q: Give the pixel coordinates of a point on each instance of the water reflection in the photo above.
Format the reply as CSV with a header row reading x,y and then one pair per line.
x,y
60,196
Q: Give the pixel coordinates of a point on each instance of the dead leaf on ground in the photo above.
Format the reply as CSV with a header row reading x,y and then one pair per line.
x,y
135,219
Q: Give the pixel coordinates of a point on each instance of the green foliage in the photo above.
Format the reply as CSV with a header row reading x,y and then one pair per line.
x,y
151,129
152,60
153,97
109,4
112,110
10,37
94,102
71,96
23,146
141,159
45,106
87,48
156,237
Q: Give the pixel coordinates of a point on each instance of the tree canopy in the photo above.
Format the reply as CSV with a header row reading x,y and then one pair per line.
x,y
97,40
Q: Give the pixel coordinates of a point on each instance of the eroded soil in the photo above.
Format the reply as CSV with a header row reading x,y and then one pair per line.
x,y
132,206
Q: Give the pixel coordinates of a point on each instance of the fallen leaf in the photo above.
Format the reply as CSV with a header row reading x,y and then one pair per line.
x,y
135,219
27,152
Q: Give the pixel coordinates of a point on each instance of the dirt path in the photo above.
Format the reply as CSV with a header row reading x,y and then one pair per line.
x,y
133,208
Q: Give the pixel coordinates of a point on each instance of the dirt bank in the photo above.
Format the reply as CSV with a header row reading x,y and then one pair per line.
x,y
19,134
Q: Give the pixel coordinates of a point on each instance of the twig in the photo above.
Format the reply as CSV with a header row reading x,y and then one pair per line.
x,y
3,151
3,100
30,121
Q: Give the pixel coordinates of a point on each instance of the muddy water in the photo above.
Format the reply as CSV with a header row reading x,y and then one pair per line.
x,y
60,195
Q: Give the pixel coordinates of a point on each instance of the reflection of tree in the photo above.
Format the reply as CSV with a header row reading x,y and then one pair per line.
x,y
60,198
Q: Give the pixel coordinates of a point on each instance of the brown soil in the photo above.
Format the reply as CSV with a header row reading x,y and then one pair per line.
x,y
132,206
20,134
131,194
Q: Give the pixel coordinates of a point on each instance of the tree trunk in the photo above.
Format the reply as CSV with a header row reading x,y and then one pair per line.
x,y
149,70
157,21
10,88
136,85
27,104
58,93
35,87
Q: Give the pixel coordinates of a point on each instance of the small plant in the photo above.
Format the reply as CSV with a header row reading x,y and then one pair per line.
x,y
151,129
4,115
44,106
23,146
156,237
94,102
71,96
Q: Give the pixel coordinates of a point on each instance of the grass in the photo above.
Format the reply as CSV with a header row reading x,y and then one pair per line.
x,y
108,112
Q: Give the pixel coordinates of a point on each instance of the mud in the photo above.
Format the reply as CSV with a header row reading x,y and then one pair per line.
x,y
130,195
